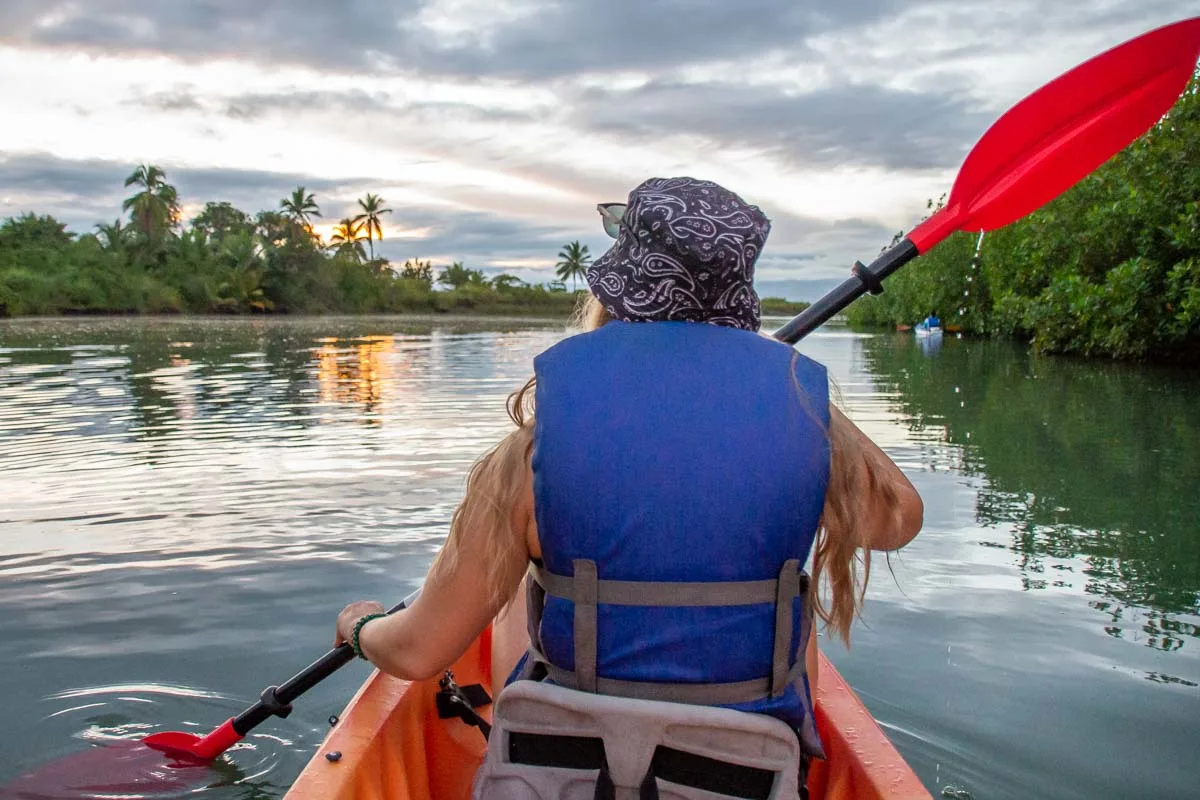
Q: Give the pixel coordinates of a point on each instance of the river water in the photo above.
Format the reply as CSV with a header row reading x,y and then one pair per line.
x,y
186,504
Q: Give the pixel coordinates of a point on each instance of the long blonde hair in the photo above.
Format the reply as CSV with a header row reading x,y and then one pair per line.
x,y
483,520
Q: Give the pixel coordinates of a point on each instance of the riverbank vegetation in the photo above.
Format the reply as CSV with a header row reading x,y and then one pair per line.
x,y
1111,268
227,261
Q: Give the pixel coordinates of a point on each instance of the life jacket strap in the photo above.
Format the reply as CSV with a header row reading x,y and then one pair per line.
x,y
585,590
697,694
664,593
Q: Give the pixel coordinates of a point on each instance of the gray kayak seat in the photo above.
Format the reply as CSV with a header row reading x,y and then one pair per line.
x,y
551,742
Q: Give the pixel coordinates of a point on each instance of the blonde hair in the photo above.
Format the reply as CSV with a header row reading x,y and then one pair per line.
x,y
841,558
483,522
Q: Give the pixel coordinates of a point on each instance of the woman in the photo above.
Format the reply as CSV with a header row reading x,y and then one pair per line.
x,y
679,466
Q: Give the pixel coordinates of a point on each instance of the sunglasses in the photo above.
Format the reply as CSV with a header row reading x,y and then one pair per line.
x,y
611,215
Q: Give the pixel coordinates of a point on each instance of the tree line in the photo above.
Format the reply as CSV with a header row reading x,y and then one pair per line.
x,y
1111,268
226,260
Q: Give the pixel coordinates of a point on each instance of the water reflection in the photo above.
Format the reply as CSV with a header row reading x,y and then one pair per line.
x,y
1090,471
355,373
142,380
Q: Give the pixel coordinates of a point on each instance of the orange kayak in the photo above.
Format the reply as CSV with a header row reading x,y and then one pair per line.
x,y
391,745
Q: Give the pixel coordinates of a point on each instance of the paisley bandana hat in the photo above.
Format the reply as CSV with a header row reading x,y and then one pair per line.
x,y
685,251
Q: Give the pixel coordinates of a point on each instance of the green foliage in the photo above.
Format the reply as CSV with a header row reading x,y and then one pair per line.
x,y
456,276
417,270
1110,268
781,307
372,209
505,282
573,261
229,262
32,231
154,211
300,208
347,240
219,220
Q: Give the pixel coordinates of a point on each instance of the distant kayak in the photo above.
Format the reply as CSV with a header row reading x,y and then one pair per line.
x,y
923,331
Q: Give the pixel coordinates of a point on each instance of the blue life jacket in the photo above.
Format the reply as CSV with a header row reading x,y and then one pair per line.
x,y
679,477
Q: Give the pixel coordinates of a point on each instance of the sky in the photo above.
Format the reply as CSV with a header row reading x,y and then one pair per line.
x,y
492,128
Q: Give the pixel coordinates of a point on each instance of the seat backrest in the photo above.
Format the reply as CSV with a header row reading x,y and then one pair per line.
x,y
549,742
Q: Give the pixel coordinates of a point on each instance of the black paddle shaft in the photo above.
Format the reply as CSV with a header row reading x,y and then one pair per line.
x,y
276,701
865,279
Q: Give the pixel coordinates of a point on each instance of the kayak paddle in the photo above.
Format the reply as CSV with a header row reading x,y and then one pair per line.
x,y
275,701
1037,150
1041,147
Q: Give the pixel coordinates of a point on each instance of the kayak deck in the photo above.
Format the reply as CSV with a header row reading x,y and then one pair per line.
x,y
393,746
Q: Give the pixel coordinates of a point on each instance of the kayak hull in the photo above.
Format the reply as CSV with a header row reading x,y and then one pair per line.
x,y
390,745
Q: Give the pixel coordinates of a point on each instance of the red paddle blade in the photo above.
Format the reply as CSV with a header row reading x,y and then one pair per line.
x,y
190,747
1049,141
121,769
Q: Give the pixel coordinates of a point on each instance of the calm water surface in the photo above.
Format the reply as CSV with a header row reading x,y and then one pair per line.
x,y
186,504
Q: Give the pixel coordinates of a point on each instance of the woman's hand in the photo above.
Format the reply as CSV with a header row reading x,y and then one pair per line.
x,y
350,615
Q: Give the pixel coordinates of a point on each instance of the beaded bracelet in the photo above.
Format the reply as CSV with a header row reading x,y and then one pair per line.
x,y
358,626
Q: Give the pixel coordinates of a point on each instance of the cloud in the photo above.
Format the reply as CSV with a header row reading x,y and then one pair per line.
x,y
519,39
344,34
181,99
844,125
256,105
522,39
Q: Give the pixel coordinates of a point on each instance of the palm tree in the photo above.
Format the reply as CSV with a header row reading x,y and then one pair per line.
x,y
300,208
573,261
371,209
347,239
113,236
242,288
155,209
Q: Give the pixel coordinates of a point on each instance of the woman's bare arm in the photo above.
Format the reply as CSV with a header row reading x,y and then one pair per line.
x,y
881,528
454,606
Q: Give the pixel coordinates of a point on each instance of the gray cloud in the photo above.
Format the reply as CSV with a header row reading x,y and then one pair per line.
x,y
555,42
355,101
554,38
181,99
475,237
565,38
359,103
840,125
346,34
